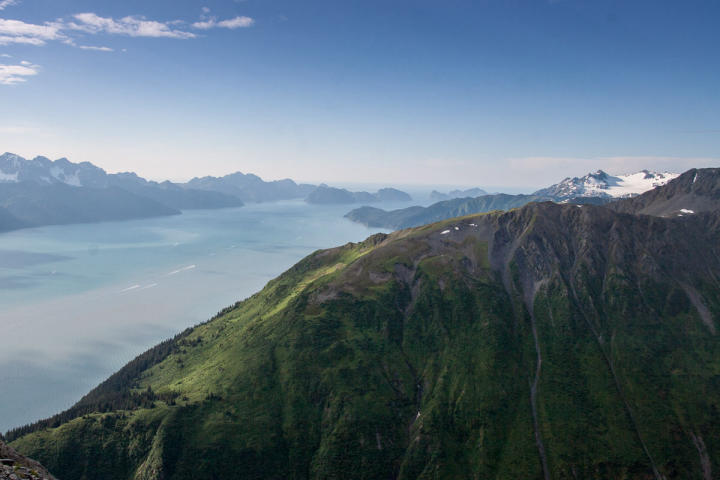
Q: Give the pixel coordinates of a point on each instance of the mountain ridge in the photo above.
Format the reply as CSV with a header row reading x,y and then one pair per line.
x,y
697,190
596,188
549,341
603,185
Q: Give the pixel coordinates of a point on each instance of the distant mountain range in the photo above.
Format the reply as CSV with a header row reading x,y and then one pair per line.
x,y
594,188
552,341
251,188
329,195
471,192
46,192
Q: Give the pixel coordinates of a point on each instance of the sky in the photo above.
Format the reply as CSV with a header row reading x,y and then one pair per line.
x,y
487,92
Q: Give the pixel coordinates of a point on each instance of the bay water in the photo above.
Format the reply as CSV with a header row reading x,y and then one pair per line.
x,y
77,302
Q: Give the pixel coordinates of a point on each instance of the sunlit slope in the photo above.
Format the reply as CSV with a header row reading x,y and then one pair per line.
x,y
547,342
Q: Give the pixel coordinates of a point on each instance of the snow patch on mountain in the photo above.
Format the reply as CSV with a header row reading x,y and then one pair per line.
x,y
41,170
8,177
70,178
602,184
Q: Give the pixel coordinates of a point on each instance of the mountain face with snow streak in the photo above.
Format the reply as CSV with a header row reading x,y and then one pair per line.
x,y
43,171
604,185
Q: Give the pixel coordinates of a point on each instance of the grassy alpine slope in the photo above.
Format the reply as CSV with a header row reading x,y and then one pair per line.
x,y
551,341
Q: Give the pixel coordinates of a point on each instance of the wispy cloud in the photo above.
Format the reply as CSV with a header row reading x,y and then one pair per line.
x,y
237,22
232,23
17,31
94,48
14,74
8,3
8,40
132,26
68,29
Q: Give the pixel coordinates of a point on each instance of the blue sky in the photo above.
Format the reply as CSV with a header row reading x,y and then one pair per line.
x,y
494,92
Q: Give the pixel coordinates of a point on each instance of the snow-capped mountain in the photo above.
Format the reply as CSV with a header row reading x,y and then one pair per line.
x,y
603,185
43,171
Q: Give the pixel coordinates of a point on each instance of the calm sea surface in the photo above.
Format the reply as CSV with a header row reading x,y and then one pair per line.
x,y
77,302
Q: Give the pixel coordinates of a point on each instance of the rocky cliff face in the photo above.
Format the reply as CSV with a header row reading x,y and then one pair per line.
x,y
14,466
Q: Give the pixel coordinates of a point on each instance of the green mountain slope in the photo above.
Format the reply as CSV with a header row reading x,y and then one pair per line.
x,y
551,341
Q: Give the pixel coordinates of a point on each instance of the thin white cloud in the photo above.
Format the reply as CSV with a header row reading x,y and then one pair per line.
x,y
204,25
14,74
232,23
131,26
7,40
5,55
8,3
94,48
237,22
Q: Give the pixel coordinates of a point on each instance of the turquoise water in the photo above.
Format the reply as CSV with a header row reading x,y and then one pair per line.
x,y
79,301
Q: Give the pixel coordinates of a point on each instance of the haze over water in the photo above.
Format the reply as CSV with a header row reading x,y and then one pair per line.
x,y
80,301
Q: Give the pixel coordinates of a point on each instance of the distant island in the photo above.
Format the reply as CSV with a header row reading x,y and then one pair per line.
x,y
329,195
470,192
251,188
